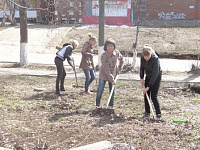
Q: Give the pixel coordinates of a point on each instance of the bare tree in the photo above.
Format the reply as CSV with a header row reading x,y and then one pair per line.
x,y
3,7
23,33
137,32
11,16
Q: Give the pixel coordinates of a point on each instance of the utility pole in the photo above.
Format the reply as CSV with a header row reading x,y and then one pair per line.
x,y
101,29
23,34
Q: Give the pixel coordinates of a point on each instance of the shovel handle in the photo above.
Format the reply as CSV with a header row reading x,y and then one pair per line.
x,y
111,92
151,108
75,73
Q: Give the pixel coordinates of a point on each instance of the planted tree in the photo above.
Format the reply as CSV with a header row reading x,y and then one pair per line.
x,y
3,7
11,16
23,33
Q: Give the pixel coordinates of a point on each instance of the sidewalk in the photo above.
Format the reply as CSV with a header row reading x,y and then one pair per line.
x,y
10,52
167,65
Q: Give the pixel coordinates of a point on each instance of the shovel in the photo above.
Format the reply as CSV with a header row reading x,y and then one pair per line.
x,y
75,73
151,108
111,92
92,63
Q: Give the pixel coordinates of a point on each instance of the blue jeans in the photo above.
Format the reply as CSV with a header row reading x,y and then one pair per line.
x,y
89,74
100,92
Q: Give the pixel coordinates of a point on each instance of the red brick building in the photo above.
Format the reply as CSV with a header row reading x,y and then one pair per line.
x,y
168,12
150,12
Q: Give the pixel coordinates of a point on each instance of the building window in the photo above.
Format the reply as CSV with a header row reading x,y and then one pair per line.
x,y
79,5
71,12
71,4
80,12
143,5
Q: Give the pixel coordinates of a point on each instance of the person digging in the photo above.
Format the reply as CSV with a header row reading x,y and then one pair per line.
x,y
109,70
150,65
64,53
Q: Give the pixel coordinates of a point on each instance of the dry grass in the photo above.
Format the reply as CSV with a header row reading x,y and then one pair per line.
x,y
32,118
166,41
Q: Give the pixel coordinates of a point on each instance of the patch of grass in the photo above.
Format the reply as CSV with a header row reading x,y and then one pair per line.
x,y
195,101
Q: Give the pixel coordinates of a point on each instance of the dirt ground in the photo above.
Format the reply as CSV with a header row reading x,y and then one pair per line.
x,y
33,117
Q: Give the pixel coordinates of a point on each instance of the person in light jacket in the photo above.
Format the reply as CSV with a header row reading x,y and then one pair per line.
x,y
87,63
64,53
109,69
150,65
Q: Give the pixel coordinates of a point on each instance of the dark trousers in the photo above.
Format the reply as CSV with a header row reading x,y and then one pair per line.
x,y
61,73
153,92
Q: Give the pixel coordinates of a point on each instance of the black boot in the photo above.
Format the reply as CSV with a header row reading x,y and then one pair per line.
x,y
62,89
58,92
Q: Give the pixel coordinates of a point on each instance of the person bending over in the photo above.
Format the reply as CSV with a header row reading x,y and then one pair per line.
x,y
150,65
64,53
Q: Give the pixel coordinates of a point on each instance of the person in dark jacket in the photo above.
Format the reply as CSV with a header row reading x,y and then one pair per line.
x,y
64,53
150,65
87,63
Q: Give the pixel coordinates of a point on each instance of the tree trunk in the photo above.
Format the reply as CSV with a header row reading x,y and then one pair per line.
x,y
101,30
23,34
136,37
134,49
11,17
4,13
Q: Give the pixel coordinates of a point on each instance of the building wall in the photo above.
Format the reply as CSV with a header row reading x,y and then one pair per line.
x,y
167,12
70,11
171,10
117,12
198,9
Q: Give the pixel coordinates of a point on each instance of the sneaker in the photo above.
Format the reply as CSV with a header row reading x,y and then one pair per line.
x,y
158,117
89,93
146,115
110,107
97,107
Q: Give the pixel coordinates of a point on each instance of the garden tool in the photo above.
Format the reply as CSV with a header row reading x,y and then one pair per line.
x,y
151,108
75,73
111,92
92,63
